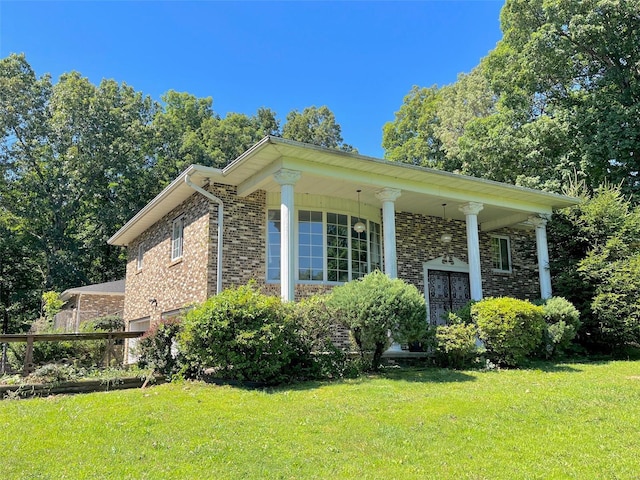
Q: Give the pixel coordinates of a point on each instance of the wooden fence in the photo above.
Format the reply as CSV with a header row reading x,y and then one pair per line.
x,y
30,338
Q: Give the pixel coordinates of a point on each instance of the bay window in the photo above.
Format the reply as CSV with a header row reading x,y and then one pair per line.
x,y
328,248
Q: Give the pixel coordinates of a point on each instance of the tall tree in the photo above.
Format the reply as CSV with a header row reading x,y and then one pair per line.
x,y
411,137
317,126
576,63
189,131
73,158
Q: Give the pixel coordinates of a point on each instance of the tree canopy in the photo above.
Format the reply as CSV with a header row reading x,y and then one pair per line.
x,y
77,160
558,97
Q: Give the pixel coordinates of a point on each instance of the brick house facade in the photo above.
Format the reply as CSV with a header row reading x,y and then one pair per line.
x,y
89,302
288,213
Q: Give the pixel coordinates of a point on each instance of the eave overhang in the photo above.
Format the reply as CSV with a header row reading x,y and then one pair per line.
x,y
339,174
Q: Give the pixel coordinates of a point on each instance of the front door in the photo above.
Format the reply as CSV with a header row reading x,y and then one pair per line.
x,y
448,291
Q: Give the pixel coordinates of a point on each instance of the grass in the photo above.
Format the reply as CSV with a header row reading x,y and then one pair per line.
x,y
557,421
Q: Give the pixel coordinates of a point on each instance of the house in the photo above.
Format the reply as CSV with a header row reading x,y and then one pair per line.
x,y
89,302
299,219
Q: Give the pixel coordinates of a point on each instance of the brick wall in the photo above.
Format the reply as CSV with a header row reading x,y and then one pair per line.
x,y
418,241
244,238
92,306
523,281
172,284
193,279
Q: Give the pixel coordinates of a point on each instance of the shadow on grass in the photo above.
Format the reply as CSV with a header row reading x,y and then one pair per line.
x,y
405,374
426,375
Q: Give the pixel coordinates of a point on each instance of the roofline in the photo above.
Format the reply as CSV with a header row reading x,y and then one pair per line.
x,y
191,169
76,291
418,168
562,200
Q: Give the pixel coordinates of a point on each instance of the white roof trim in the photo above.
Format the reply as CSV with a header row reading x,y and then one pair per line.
x,y
417,180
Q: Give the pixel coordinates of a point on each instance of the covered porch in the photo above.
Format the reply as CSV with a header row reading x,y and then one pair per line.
x,y
303,178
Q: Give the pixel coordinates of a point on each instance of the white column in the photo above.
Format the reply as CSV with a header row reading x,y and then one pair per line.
x,y
287,179
543,255
471,211
387,197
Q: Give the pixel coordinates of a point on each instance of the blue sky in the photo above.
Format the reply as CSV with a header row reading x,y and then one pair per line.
x,y
359,58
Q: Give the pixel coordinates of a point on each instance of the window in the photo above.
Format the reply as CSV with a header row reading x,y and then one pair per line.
x,y
501,254
310,246
177,234
337,248
329,249
273,245
140,256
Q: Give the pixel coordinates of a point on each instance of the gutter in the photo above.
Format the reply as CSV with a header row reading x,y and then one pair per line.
x,y
213,198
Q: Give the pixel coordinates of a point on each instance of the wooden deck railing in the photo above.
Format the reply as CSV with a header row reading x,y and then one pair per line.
x,y
30,338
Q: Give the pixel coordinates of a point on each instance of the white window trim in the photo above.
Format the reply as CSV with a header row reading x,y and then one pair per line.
x,y
325,260
176,221
500,270
140,259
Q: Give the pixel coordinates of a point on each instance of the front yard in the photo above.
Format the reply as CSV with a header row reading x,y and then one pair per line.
x,y
559,421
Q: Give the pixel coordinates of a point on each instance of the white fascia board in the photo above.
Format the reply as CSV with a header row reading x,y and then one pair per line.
x,y
505,221
384,181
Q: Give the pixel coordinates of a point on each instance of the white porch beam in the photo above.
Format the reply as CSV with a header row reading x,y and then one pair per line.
x,y
542,250
287,179
258,180
504,222
388,196
471,211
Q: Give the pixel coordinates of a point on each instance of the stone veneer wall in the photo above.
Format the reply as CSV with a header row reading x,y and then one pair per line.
x,y
172,284
418,241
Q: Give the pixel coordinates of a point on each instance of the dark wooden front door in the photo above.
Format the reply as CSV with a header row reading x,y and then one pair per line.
x,y
448,291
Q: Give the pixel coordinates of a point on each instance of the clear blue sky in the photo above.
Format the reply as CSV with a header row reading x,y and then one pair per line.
x,y
359,58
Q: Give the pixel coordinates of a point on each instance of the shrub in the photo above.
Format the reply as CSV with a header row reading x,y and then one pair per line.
x,y
562,323
157,350
456,345
510,329
316,325
375,305
56,351
241,334
462,315
616,305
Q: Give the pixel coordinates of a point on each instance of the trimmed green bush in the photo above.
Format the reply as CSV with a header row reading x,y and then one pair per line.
x,y
562,323
510,329
241,334
157,348
456,345
376,305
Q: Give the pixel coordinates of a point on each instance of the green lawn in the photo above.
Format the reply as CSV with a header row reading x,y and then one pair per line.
x,y
564,421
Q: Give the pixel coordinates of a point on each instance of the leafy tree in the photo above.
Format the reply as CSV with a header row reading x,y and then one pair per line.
x,y
468,99
594,248
315,125
74,159
411,137
576,62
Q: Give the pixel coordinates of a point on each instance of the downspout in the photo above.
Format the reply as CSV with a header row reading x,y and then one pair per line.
x,y
215,199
